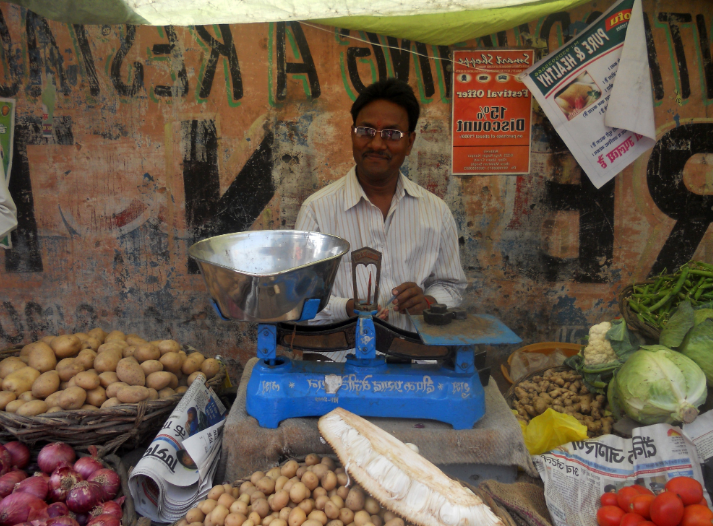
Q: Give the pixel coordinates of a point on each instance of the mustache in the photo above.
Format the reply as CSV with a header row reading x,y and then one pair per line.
x,y
385,155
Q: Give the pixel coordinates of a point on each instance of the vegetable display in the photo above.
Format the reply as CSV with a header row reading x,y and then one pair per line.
x,y
690,331
657,385
58,495
95,370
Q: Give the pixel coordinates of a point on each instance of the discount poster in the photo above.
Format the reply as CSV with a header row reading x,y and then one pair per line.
x,y
491,112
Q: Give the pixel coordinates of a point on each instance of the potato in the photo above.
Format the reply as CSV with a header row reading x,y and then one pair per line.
x,y
346,515
396,521
235,519
329,480
81,335
331,510
266,485
20,381
312,522
173,384
66,346
114,388
171,362
13,406
111,402
226,499
91,343
26,396
5,398
166,392
53,399
96,396
128,351
335,522
181,389
307,505
115,335
134,339
10,365
32,408
192,378
167,346
318,516
158,380
299,492
40,356
86,357
289,468
192,363
312,460
47,339
153,394
310,480
128,370
195,515
111,346
132,394
72,398
261,507
354,500
107,378
68,368
216,492
146,351
54,409
297,517
97,333
46,384
210,367
371,506
208,505
361,517
151,366
87,380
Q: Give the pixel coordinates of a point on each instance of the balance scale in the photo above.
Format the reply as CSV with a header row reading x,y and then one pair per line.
x,y
275,277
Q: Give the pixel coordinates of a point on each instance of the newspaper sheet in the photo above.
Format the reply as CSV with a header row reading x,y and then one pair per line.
x,y
596,91
178,467
576,474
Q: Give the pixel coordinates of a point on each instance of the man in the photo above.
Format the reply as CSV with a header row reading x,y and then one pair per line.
x,y
376,206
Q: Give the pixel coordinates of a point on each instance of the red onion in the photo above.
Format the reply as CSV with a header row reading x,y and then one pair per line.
x,y
52,455
36,486
61,481
82,518
58,509
5,461
104,520
19,453
86,466
20,507
38,522
109,481
109,507
84,496
64,520
8,481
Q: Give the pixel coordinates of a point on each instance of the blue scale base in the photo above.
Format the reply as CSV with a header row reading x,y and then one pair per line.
x,y
293,389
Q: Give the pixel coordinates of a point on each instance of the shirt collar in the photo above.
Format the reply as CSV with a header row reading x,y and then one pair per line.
x,y
353,192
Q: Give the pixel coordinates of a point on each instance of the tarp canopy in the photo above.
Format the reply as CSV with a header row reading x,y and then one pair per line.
x,y
437,22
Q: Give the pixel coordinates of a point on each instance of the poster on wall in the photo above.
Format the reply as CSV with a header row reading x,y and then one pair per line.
x,y
606,124
7,130
491,112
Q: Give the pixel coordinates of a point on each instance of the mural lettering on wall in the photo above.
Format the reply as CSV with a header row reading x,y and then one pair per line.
x,y
166,135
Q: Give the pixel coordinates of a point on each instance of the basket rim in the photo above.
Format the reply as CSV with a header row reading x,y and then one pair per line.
x,y
630,317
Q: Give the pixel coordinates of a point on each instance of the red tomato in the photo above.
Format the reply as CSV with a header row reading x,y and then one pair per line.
x,y
703,502
642,490
630,519
642,505
608,499
697,515
609,516
646,523
690,490
624,497
667,509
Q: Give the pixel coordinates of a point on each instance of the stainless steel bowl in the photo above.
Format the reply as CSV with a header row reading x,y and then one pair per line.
x,y
267,275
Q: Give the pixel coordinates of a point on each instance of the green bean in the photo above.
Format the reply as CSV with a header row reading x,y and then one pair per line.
x,y
673,292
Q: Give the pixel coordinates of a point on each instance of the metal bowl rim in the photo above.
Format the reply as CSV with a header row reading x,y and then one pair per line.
x,y
190,249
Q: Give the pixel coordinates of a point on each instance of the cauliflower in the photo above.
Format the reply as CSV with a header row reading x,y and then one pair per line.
x,y
599,350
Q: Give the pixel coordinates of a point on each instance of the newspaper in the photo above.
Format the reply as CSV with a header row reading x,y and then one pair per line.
x,y
596,91
576,474
178,467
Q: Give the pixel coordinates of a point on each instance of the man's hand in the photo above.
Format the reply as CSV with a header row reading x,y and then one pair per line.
x,y
410,296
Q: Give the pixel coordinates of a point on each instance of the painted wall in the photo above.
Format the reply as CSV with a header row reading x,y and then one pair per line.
x,y
159,136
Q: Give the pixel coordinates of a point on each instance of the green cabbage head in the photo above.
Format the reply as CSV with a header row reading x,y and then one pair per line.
x,y
657,385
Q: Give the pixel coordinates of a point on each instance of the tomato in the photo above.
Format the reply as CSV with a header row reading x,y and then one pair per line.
x,y
697,515
630,519
690,490
642,490
703,502
646,523
608,499
609,516
642,505
667,509
624,497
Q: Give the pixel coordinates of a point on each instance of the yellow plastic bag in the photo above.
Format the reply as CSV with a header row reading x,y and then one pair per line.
x,y
552,429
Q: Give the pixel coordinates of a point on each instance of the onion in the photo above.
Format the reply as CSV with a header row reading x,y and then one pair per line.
x,y
58,509
5,461
36,486
108,508
61,481
21,507
38,522
64,520
82,518
8,481
86,466
19,453
104,520
52,455
109,481
84,496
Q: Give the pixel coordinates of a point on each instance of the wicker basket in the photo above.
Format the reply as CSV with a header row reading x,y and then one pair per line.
x,y
125,425
649,332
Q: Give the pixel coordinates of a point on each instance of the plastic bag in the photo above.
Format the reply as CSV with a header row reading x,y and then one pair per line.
x,y
551,429
524,363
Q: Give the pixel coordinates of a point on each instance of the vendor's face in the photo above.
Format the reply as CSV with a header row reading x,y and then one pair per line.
x,y
378,159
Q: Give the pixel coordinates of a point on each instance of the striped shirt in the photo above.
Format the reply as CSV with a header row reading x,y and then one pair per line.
x,y
418,242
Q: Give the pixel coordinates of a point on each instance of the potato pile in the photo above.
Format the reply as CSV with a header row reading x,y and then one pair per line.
x,y
565,393
96,370
312,493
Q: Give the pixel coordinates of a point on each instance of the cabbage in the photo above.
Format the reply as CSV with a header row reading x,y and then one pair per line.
x,y
657,384
698,346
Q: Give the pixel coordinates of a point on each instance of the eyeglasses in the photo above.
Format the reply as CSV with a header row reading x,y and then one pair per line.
x,y
387,135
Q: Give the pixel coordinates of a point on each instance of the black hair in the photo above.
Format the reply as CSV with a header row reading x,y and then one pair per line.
x,y
393,90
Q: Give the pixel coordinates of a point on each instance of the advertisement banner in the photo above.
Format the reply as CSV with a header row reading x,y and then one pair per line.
x,y
575,83
491,112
